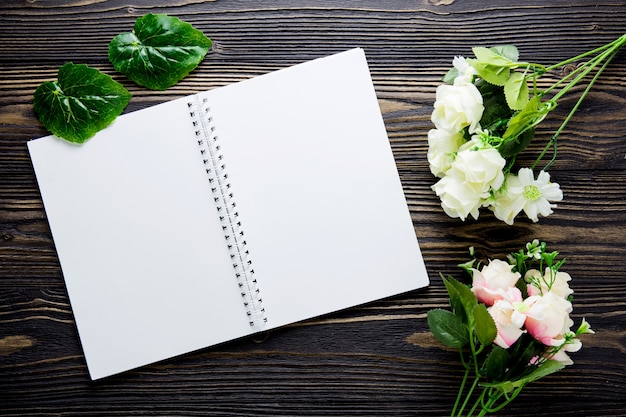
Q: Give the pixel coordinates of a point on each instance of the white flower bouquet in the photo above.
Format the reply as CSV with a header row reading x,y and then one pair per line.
x,y
485,114
512,326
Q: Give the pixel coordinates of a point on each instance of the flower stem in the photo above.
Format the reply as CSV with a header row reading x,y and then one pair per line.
x,y
468,396
461,389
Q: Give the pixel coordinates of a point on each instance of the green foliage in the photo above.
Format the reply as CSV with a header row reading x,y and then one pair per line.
x,y
159,52
448,328
493,56
513,145
509,52
494,74
80,102
485,327
495,365
516,91
450,75
546,368
462,299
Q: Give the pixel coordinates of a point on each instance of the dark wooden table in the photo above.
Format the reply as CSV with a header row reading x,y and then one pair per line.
x,y
374,360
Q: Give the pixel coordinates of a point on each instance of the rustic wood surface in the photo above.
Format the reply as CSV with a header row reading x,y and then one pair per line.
x,y
374,360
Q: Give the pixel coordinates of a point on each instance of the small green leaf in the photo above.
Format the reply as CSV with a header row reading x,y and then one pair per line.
x,y
450,75
160,51
79,103
447,328
516,91
484,325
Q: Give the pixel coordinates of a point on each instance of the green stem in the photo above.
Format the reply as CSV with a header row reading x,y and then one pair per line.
x,y
616,43
468,396
461,389
605,55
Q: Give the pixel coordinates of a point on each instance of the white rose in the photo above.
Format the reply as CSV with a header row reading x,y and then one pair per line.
x,y
507,205
442,146
457,106
464,68
480,166
457,199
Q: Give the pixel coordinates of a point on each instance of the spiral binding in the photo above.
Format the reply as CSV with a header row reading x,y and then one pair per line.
x,y
226,206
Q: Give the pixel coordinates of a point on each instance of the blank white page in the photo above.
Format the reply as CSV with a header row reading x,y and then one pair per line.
x,y
317,188
141,249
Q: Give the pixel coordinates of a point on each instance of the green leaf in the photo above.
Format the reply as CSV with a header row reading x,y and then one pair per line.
x,y
462,299
495,365
492,56
514,145
497,113
545,369
450,75
548,367
453,294
522,119
484,325
160,51
494,74
509,52
516,91
79,103
447,328
522,353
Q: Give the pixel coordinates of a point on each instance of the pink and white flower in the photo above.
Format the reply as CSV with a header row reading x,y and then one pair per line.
x,y
551,281
547,318
508,314
493,281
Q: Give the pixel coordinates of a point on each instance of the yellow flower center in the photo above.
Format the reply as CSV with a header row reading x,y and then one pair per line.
x,y
520,306
532,193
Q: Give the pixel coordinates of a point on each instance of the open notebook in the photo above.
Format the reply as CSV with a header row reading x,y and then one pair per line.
x,y
241,209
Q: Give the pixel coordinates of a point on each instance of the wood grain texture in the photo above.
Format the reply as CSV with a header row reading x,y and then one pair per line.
x,y
374,360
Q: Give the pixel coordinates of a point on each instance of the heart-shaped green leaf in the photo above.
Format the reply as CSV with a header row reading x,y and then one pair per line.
x,y
80,102
160,51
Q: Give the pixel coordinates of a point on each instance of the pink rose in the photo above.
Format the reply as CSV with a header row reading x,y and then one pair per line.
x,y
547,318
508,315
489,284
